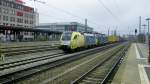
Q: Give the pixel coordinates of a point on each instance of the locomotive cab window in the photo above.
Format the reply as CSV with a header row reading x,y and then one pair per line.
x,y
75,37
66,36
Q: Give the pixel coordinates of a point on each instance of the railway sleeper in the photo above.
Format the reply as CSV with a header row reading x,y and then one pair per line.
x,y
89,82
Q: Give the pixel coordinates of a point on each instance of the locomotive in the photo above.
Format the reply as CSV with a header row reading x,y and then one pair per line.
x,y
71,41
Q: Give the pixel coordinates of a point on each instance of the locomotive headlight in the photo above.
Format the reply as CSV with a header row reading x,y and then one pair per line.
x,y
65,42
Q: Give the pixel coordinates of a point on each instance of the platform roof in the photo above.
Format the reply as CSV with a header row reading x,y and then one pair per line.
x,y
26,29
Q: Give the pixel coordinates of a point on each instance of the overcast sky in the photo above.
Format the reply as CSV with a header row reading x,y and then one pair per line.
x,y
122,15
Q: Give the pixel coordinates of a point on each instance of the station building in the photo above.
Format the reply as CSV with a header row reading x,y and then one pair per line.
x,y
13,13
65,26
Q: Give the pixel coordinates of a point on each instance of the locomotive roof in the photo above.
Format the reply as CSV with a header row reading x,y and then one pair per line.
x,y
88,34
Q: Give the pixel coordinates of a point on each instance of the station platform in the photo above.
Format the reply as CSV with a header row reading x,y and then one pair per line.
x,y
36,43
135,68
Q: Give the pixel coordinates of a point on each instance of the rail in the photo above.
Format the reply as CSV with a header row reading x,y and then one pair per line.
x,y
106,78
18,72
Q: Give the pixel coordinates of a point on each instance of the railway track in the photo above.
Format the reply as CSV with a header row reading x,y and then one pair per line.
x,y
101,72
23,46
27,61
12,72
28,44
74,69
26,50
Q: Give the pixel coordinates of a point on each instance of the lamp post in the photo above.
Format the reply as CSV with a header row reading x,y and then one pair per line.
x,y
147,19
144,26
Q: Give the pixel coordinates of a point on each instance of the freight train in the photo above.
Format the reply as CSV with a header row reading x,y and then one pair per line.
x,y
71,41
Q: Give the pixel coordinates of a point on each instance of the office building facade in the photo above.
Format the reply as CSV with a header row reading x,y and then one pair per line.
x,y
65,26
15,13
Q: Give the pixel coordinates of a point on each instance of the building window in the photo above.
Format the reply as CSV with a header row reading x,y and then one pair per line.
x,y
11,5
27,15
6,24
19,20
6,11
5,18
4,3
12,19
0,2
26,21
0,10
8,4
14,6
32,16
31,22
19,13
3,10
19,7
12,12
